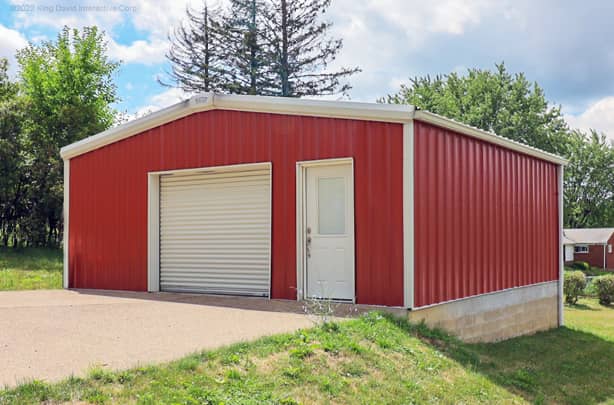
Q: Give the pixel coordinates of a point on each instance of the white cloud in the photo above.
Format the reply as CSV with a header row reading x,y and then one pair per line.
x,y
68,12
148,52
417,19
380,36
152,19
169,97
158,101
598,116
10,41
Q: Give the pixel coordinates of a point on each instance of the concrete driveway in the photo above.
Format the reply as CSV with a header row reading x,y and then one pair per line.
x,y
52,334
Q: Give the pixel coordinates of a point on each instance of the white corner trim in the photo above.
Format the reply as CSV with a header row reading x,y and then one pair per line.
x,y
66,240
300,256
560,174
153,232
489,137
408,215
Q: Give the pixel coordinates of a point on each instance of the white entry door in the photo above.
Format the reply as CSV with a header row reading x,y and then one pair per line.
x,y
329,232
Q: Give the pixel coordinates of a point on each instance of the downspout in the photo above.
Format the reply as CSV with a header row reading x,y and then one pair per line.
x,y
408,212
604,257
561,247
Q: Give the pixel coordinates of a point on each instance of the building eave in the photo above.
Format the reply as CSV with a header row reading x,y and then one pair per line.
x,y
490,137
393,113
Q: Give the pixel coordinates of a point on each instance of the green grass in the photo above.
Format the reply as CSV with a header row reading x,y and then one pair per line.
x,y
30,269
590,317
371,360
571,365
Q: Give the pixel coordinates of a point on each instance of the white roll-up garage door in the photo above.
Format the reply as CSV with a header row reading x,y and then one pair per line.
x,y
215,231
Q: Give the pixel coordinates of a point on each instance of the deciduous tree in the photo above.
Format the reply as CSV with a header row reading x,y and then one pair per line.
x,y
511,106
496,101
589,181
68,89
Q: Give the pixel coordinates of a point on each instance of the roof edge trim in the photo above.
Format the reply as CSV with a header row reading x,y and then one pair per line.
x,y
293,106
261,104
489,137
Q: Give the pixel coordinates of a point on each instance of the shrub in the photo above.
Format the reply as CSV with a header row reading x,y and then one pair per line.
x,y
595,271
584,266
604,285
573,286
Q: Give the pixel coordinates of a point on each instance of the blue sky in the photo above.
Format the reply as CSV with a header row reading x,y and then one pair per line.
x,y
565,46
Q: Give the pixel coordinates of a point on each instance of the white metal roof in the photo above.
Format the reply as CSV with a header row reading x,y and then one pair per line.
x,y
597,236
293,106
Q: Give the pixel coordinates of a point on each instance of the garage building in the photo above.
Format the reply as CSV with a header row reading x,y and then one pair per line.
x,y
289,199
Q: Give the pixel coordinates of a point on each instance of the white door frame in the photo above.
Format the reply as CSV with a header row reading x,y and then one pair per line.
x,y
153,216
301,257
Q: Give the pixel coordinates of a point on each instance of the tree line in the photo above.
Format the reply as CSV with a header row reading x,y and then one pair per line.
x,y
65,91
511,106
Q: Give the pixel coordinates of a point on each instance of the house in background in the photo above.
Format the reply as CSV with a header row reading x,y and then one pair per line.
x,y
591,245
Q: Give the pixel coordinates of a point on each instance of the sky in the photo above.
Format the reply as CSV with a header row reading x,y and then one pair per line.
x,y
565,46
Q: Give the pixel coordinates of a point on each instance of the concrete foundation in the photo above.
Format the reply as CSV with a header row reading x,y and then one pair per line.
x,y
496,316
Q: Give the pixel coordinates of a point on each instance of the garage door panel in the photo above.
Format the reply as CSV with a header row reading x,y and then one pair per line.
x,y
215,230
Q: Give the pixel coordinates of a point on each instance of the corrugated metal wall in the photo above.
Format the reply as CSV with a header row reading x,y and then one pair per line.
x,y
486,218
108,194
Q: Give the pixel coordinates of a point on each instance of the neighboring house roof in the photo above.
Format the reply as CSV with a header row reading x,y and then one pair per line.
x,y
567,241
587,236
294,106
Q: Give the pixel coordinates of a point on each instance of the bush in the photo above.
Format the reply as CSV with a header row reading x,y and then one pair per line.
x,y
584,266
573,286
596,271
604,285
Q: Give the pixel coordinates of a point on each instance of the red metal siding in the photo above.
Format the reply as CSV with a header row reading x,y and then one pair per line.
x,y
486,218
108,194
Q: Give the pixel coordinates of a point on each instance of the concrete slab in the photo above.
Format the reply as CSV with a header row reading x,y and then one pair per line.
x,y
53,334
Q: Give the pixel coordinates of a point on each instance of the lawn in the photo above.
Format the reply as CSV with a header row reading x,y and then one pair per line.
x,y
371,360
30,269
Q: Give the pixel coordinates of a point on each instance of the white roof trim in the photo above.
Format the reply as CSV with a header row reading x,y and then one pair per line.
x,y
588,236
489,137
292,106
262,104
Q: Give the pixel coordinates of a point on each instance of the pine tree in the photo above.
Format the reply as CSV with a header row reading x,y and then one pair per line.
x,y
245,54
301,49
195,52
265,47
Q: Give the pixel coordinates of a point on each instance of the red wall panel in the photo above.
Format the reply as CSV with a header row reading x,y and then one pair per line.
x,y
486,218
108,194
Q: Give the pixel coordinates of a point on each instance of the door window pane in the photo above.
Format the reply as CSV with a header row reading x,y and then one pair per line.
x,y
331,206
